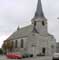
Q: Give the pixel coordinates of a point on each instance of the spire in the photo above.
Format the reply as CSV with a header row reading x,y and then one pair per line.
x,y
39,12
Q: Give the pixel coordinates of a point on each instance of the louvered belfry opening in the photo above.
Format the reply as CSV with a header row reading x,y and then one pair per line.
x,y
22,43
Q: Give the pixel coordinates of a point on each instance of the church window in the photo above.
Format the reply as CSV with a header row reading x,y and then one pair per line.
x,y
16,44
22,42
43,23
12,43
43,50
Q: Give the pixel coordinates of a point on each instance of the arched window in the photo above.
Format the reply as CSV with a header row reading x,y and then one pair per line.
x,y
22,43
43,23
16,42
43,50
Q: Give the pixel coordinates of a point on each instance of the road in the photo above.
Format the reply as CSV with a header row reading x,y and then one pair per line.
x,y
34,58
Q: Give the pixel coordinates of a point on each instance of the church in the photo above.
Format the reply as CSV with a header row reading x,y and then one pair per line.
x,y
34,38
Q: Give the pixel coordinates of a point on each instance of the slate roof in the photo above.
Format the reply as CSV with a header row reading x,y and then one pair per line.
x,y
23,32
39,11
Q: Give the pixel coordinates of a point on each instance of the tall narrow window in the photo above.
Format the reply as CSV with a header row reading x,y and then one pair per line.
x,y
16,44
22,42
43,50
12,43
43,23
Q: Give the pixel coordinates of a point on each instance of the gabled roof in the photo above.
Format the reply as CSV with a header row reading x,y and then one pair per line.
x,y
21,33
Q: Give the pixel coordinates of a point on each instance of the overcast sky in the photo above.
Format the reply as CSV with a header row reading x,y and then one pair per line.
x,y
20,12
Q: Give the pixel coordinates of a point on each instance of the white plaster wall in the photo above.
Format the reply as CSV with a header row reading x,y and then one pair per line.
x,y
19,43
40,28
25,43
40,42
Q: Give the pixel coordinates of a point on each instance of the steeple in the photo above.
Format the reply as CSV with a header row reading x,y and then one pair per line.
x,y
39,11
39,21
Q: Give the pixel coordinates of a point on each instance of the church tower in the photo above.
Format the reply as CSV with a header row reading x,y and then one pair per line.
x,y
39,21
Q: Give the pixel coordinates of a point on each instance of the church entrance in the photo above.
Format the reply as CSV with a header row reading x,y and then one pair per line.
x,y
43,51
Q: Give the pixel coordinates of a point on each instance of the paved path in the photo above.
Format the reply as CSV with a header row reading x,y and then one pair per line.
x,y
34,58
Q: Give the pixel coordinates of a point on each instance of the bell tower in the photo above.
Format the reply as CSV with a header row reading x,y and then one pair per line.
x,y
39,21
